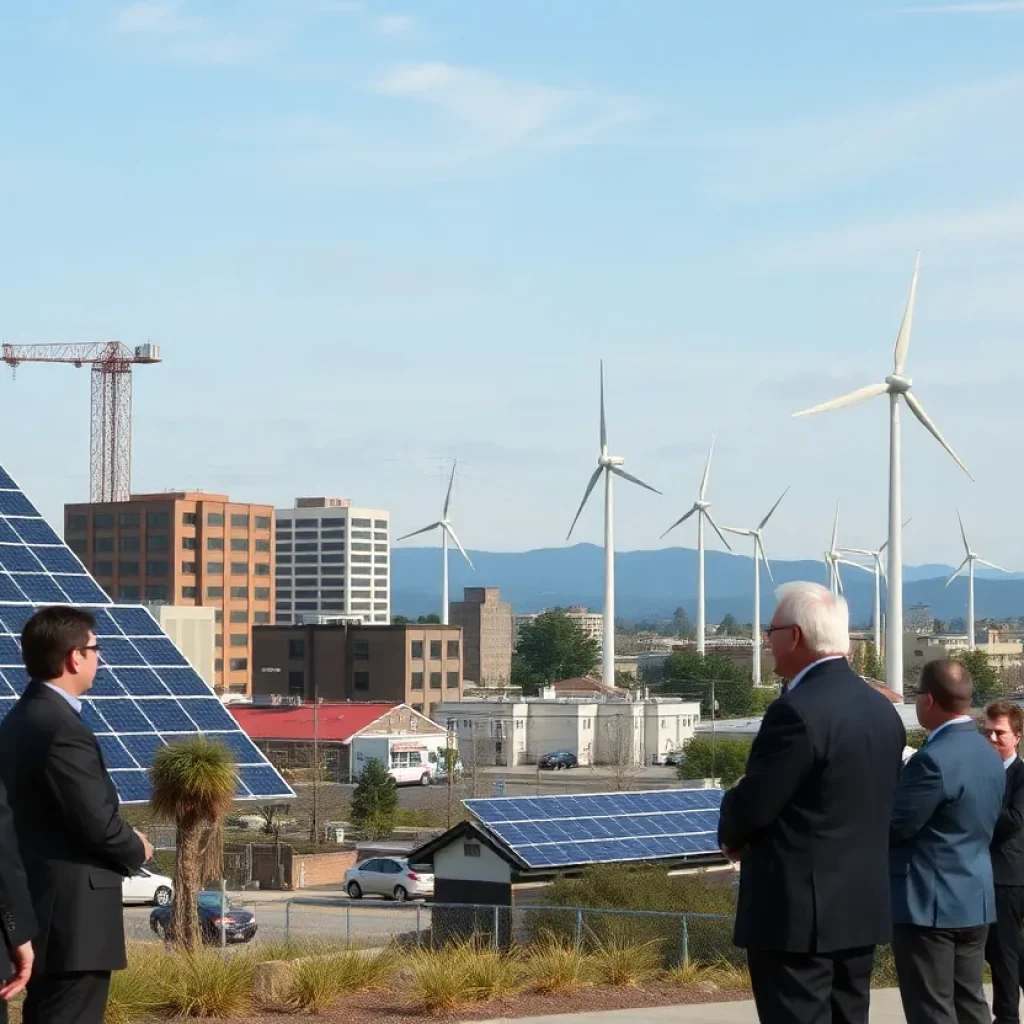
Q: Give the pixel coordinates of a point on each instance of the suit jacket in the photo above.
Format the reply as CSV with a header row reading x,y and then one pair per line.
x,y
74,845
943,819
17,919
812,813
1008,838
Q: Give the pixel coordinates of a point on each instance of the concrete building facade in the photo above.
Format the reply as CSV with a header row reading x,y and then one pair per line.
x,y
194,632
592,623
418,665
486,623
920,648
332,561
185,548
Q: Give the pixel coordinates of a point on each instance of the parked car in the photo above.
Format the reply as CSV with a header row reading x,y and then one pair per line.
x,y
147,887
558,760
674,758
390,877
239,923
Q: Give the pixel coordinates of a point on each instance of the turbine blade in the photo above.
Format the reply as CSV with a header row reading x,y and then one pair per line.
x,y
678,522
416,533
760,525
860,395
707,470
958,570
963,532
448,496
714,525
764,557
917,409
740,531
903,338
835,529
839,579
991,565
586,494
855,551
856,565
604,425
632,479
886,544
451,533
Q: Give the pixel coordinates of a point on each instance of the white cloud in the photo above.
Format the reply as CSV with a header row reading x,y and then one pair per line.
x,y
393,24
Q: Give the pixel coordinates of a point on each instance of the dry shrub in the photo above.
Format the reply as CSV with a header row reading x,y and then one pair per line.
x,y
722,975
626,963
556,965
207,983
136,991
320,981
443,980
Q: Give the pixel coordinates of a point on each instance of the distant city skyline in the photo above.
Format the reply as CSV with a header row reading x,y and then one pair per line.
x,y
371,239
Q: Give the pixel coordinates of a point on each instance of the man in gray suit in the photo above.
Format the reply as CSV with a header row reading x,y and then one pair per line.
x,y
944,814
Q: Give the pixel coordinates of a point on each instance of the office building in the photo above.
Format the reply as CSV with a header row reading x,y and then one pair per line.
x,y
486,623
592,623
332,562
194,632
418,665
185,548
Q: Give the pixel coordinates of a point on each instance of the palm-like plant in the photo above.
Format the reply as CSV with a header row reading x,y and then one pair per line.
x,y
193,784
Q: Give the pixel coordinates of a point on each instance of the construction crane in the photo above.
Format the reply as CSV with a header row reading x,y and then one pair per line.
x,y
110,445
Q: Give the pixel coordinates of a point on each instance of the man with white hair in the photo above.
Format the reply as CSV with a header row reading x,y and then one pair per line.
x,y
809,822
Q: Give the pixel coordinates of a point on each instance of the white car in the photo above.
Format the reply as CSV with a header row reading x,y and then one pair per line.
x,y
146,887
388,876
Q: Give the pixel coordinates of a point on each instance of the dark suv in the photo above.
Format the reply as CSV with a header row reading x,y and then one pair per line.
x,y
557,760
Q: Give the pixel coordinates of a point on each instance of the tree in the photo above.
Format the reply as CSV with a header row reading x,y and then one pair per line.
x,y
400,620
433,619
987,683
552,647
763,696
693,675
682,626
626,680
374,801
873,667
725,759
193,784
727,627
857,659
618,749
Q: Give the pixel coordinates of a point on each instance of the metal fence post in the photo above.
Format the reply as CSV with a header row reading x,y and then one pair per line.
x,y
288,921
348,924
223,913
419,930
497,925
684,945
579,929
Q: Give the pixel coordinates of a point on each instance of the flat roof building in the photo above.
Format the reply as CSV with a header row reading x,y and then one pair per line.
x,y
486,623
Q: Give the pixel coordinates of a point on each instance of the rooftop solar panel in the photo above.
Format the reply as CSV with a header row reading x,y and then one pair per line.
x,y
146,694
595,828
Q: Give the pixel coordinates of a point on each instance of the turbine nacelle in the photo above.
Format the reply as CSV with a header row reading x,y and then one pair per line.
x,y
604,459
898,384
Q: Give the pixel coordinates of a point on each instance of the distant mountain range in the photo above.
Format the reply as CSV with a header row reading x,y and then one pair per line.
x,y
655,583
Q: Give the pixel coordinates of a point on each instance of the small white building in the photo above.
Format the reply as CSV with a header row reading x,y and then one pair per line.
x,y
519,731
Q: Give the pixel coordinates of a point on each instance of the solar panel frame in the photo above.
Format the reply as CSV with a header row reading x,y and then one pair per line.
x,y
146,693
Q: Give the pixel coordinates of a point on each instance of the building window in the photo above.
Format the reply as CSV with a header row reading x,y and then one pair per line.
x,y
362,559
130,593
380,606
380,524
333,521
129,519
418,707
263,522
188,593
188,519
239,640
282,548
262,545
435,650
261,593
103,521
435,680
261,618
218,665
188,543
358,546
296,650
381,547
380,572
261,569
154,568
305,546
215,568
156,592
360,606
361,650
239,544
104,568
218,640
452,681
239,569
296,684
218,615
129,568
453,648
417,680
78,522
162,518
471,849
239,664
285,523
380,559
283,565
158,542
417,648
214,592
103,544
337,559
361,680
239,617
239,521
332,545
214,543
363,524
128,545
188,568
361,535
239,593
215,519
360,593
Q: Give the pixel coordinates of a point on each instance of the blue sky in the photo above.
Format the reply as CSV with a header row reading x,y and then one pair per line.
x,y
373,237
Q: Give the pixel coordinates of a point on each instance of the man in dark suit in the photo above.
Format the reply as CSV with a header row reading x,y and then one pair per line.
x,y
1004,949
943,817
17,920
74,845
810,822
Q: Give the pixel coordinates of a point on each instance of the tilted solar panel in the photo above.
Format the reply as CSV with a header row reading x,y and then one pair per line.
x,y
595,828
146,694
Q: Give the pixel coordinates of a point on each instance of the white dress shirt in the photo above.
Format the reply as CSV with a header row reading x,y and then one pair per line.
x,y
952,721
798,678
75,703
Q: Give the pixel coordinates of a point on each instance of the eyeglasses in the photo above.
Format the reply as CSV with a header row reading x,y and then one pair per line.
x,y
773,629
90,647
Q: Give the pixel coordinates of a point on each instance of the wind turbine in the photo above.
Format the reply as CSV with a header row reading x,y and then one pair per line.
x,y
895,386
969,562
756,532
609,465
702,509
833,557
444,524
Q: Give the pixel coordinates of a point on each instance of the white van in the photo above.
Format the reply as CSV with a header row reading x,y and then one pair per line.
x,y
411,766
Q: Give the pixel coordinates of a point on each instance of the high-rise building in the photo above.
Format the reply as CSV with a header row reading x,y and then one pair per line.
x,y
332,562
185,548
592,623
486,623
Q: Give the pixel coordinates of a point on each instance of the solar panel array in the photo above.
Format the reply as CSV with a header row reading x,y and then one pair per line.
x,y
146,694
598,828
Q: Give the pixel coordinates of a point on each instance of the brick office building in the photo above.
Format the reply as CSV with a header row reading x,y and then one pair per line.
x,y
185,548
487,631
418,665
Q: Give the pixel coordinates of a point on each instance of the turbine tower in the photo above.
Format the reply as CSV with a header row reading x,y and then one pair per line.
x,y
609,466
755,630
896,386
444,524
969,561
702,509
833,557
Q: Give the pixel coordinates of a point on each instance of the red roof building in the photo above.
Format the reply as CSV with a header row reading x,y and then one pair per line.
x,y
336,723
